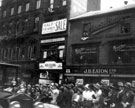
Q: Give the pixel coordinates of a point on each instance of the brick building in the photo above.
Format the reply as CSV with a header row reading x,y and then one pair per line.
x,y
29,41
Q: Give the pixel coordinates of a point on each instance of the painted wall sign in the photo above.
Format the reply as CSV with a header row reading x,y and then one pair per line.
x,y
92,28
54,26
50,65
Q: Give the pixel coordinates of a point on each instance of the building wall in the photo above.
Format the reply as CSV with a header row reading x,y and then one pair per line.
x,y
98,47
19,35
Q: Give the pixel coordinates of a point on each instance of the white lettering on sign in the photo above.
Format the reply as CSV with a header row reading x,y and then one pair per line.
x,y
79,81
50,65
54,26
100,71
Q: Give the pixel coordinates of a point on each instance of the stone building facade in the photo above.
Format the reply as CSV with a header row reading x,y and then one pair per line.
x,y
101,46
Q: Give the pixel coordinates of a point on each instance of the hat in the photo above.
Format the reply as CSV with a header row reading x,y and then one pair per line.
x,y
97,85
128,84
86,86
120,84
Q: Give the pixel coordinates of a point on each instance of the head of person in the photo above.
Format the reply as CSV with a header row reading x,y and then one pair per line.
x,y
120,85
86,87
127,85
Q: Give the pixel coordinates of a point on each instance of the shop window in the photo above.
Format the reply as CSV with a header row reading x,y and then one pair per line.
x,y
85,55
61,51
27,7
12,11
123,53
38,4
125,28
45,54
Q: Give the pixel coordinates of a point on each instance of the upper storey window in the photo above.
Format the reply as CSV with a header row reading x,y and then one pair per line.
x,y
38,4
4,13
64,2
27,7
19,9
12,11
125,28
51,6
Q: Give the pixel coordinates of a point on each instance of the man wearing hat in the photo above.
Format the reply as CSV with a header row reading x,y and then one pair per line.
x,y
127,96
113,96
98,93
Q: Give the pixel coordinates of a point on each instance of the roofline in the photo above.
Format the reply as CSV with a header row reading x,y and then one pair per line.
x,y
103,12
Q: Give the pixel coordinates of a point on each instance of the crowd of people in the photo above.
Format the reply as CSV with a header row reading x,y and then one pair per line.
x,y
91,95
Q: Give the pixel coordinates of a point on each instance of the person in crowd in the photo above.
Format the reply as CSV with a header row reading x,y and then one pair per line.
x,y
77,98
60,97
98,94
54,93
88,96
28,89
22,87
120,94
68,93
127,96
113,99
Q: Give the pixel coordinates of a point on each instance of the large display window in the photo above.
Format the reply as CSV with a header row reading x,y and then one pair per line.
x,y
85,55
123,53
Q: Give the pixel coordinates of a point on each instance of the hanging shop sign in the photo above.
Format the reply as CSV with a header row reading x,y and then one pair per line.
x,y
54,26
50,65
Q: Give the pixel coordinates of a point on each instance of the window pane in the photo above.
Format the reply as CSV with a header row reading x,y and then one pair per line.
x,y
64,3
38,4
12,11
27,6
123,53
19,9
85,55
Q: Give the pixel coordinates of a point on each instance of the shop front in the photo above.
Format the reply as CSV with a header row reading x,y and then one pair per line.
x,y
52,51
50,72
101,46
97,73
